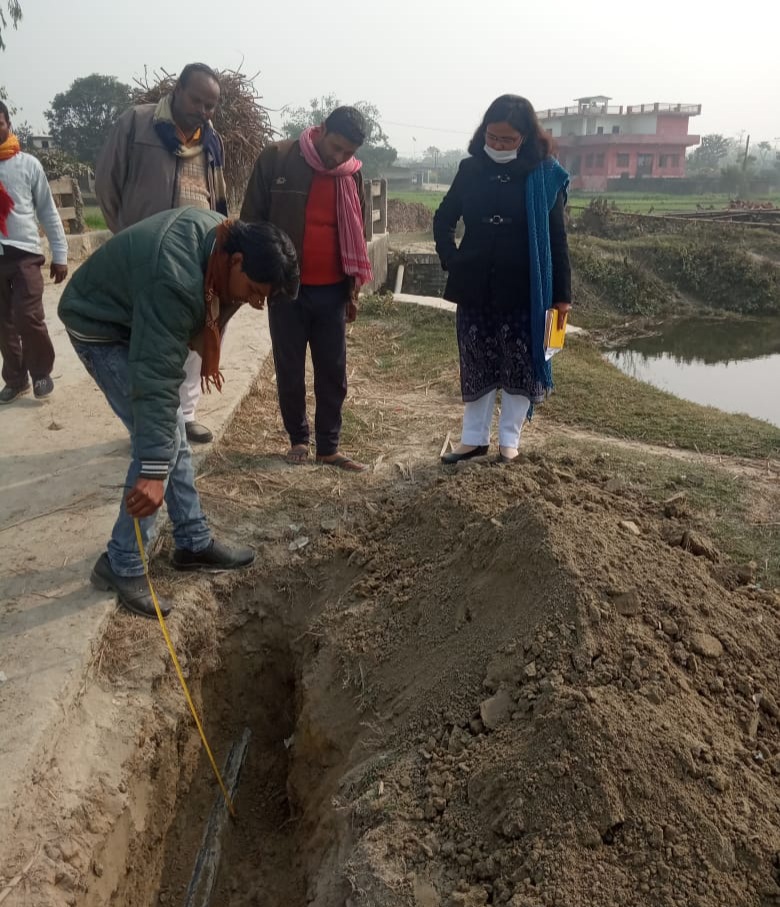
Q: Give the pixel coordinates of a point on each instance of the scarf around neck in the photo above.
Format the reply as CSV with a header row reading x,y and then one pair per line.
x,y
219,309
208,143
542,187
9,147
349,216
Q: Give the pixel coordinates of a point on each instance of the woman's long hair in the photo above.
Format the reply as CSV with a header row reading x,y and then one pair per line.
x,y
520,114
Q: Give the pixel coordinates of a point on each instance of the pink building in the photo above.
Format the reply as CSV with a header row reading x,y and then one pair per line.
x,y
597,141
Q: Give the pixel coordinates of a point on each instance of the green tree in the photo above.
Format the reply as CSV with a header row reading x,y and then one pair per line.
x,y
432,155
710,154
764,154
376,153
14,17
24,132
80,118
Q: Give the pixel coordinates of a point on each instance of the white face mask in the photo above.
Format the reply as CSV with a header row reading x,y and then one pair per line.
x,y
501,157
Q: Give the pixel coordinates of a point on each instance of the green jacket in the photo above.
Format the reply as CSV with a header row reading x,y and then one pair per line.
x,y
144,288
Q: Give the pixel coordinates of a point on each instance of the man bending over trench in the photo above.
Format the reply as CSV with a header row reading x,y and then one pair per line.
x,y
133,311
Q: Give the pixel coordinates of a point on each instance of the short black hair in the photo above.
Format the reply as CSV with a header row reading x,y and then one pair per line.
x,y
520,114
349,122
191,68
4,110
269,254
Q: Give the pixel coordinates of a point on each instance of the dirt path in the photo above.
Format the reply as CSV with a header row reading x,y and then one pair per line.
x,y
767,471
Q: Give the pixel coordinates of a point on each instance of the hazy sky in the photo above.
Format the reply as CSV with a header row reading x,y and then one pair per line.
x,y
431,69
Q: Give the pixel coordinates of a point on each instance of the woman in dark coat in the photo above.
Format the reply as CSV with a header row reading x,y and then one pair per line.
x,y
510,268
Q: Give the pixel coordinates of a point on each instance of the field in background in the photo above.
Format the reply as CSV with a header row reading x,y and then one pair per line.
x,y
624,201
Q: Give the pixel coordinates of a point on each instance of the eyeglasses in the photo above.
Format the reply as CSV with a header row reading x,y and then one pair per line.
x,y
504,140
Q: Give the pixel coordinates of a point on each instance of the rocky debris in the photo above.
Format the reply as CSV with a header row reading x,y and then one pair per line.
x,y
425,895
676,506
697,544
626,602
630,526
496,710
707,646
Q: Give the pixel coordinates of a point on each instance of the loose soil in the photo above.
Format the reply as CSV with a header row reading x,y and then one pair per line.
x,y
408,217
533,684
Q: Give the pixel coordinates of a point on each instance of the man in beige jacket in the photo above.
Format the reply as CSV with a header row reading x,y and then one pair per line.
x,y
162,156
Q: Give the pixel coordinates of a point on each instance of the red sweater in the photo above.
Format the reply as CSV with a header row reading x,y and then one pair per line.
x,y
321,255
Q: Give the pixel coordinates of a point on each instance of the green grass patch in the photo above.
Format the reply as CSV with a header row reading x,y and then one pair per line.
x,y
660,203
94,218
431,200
592,393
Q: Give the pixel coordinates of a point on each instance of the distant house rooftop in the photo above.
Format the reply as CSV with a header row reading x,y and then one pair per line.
x,y
42,142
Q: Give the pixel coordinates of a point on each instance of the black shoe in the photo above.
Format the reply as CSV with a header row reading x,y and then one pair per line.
x,y
197,433
450,458
8,394
132,591
42,387
214,558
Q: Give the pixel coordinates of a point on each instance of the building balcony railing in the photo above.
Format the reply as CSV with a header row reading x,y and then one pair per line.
x,y
690,110
580,110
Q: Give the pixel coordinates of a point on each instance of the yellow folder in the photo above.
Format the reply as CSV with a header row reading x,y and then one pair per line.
x,y
554,332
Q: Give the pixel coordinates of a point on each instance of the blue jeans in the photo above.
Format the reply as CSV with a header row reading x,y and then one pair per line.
x,y
107,364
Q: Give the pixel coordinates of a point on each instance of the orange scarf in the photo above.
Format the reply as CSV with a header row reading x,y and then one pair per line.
x,y
219,309
10,147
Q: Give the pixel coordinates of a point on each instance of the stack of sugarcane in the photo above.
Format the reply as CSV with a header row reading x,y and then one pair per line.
x,y
240,119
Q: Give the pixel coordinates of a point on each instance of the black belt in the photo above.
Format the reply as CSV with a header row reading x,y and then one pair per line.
x,y
497,219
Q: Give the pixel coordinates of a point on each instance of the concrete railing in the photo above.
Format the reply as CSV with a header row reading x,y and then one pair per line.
x,y
67,198
376,208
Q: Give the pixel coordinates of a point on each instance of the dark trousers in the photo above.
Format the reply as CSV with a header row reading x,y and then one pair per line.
x,y
317,318
24,339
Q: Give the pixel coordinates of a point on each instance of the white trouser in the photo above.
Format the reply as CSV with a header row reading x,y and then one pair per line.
x,y
478,415
189,392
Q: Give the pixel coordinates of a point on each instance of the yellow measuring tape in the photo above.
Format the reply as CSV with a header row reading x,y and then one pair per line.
x,y
176,665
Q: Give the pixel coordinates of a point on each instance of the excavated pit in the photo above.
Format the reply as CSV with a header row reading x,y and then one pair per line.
x,y
261,861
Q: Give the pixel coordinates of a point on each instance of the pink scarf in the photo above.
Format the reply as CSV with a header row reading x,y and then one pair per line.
x,y
352,242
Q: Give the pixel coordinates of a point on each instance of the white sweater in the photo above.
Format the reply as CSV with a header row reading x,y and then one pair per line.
x,y
25,181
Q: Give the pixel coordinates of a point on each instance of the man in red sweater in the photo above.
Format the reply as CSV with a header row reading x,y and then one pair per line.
x,y
312,189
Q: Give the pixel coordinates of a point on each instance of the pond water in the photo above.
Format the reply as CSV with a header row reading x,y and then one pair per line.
x,y
734,366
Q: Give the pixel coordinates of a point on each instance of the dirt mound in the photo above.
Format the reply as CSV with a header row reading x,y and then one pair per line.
x,y
566,699
522,685
408,217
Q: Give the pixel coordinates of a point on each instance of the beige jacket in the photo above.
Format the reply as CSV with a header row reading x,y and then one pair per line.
x,y
135,175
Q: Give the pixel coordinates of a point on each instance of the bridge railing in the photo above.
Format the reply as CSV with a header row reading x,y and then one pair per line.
x,y
375,221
